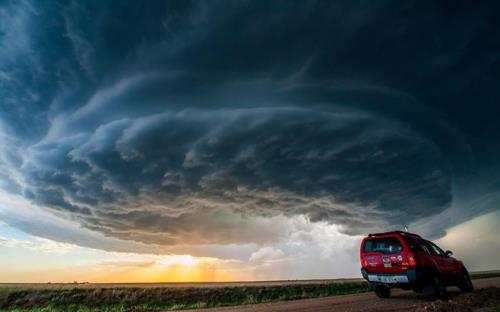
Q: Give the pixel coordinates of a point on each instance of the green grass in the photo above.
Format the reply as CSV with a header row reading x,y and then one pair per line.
x,y
153,299
480,275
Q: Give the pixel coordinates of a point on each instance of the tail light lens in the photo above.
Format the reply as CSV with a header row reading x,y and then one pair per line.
x,y
363,263
411,259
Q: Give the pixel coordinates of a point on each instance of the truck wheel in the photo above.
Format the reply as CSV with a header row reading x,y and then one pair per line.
x,y
417,289
466,285
382,291
436,289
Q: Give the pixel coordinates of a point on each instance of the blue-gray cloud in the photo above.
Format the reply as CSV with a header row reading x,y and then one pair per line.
x,y
185,122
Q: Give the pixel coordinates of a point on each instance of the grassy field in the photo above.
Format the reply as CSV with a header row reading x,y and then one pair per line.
x,y
486,274
164,298
155,297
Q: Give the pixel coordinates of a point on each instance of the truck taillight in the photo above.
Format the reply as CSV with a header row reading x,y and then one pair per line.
x,y
411,259
363,263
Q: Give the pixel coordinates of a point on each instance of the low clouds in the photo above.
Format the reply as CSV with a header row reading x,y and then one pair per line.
x,y
159,125
266,254
38,244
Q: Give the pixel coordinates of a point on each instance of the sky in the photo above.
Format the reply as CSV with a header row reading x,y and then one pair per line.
x,y
240,140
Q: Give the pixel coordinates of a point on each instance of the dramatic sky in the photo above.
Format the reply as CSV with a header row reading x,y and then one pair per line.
x,y
217,140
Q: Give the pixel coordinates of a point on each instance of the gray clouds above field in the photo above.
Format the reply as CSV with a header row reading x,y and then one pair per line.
x,y
202,122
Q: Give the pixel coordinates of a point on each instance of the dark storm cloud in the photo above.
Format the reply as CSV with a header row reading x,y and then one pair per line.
x,y
194,122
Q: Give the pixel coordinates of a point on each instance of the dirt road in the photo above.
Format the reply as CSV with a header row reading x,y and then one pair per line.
x,y
400,301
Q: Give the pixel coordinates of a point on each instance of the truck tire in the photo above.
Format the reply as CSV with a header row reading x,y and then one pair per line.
x,y
466,284
382,291
436,289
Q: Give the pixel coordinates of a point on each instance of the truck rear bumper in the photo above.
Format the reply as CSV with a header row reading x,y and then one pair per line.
x,y
411,276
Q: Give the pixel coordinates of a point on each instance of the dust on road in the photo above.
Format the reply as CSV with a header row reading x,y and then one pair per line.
x,y
400,301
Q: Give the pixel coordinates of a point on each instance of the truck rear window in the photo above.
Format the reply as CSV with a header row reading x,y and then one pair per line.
x,y
387,245
411,243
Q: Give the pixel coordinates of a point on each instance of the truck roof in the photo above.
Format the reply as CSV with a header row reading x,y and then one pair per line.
x,y
393,232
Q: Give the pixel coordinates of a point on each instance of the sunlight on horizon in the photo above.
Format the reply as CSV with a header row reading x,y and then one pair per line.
x,y
36,260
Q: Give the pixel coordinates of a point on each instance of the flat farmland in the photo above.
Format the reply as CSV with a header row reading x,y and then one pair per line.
x,y
294,295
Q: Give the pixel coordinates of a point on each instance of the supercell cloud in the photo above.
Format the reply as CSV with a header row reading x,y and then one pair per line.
x,y
201,122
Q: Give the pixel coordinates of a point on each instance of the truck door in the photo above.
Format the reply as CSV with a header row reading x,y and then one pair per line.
x,y
446,264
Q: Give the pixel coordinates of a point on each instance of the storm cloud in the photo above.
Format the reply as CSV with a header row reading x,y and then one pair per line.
x,y
201,122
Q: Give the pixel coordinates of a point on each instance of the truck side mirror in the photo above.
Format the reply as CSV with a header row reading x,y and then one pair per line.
x,y
449,253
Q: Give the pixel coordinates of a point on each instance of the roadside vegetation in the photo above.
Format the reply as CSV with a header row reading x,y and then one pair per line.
x,y
154,299
479,275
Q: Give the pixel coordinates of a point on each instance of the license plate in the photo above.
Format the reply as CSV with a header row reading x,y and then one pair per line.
x,y
388,278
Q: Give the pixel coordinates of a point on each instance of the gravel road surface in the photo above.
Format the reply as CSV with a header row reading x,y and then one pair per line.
x,y
400,301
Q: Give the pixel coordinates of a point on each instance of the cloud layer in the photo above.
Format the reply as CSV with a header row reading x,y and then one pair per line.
x,y
206,122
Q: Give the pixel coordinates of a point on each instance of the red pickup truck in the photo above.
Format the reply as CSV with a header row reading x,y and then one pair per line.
x,y
404,260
